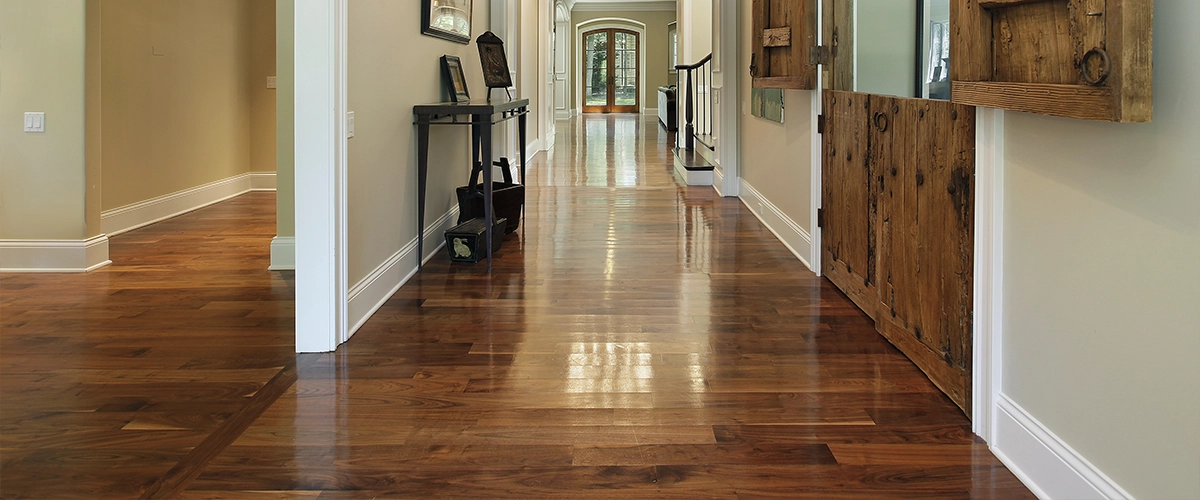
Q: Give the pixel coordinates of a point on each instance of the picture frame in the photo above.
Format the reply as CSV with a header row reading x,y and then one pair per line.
x,y
456,81
447,19
495,64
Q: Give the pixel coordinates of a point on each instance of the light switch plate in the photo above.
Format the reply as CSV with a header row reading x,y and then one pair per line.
x,y
350,125
35,122
272,82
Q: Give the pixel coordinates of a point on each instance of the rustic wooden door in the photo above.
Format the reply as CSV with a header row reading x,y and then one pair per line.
x,y
611,81
848,202
899,224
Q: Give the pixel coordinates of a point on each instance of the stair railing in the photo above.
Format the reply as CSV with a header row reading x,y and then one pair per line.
x,y
698,103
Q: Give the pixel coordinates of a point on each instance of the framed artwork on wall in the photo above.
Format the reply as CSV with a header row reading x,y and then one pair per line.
x,y
456,82
447,19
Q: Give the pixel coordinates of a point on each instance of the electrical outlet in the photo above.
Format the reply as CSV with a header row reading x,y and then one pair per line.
x,y
35,122
272,82
350,125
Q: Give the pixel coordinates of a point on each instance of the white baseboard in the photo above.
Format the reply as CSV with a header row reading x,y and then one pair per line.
x,y
54,256
262,181
718,180
283,254
649,111
1047,465
143,213
563,114
369,294
794,237
533,147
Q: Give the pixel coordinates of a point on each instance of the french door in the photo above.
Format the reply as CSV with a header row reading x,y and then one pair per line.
x,y
610,71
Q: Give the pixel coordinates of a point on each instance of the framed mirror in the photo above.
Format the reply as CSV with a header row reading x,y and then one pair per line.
x,y
888,47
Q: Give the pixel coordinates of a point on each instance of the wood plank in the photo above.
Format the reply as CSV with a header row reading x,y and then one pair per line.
x,y
777,37
1071,101
971,49
1000,4
847,242
1032,44
1129,31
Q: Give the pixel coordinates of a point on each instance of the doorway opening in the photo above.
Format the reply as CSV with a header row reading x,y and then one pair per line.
x,y
611,83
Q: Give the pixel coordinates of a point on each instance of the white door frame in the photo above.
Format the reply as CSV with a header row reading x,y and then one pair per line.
x,y
320,166
728,95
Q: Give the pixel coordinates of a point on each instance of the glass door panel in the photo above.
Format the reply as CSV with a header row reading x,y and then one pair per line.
x,y
595,69
610,71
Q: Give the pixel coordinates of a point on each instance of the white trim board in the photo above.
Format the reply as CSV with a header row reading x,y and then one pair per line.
x,y
988,270
370,293
794,237
718,180
54,256
283,254
144,213
1044,462
321,174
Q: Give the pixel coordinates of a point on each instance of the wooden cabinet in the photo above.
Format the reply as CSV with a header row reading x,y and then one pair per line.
x,y
1087,59
783,35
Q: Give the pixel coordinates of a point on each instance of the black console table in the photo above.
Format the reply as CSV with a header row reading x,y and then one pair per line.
x,y
480,115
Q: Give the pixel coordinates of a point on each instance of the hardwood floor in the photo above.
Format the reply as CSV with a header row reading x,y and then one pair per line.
x,y
637,339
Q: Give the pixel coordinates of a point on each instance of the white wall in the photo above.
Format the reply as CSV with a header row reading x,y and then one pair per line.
x,y
885,47
1102,276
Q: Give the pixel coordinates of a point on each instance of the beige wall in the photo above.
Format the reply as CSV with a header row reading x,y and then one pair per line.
x,y
260,15
42,68
1102,276
655,45
393,67
183,91
776,158
285,118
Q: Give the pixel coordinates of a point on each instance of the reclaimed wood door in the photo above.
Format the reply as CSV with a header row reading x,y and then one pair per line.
x,y
910,203
848,202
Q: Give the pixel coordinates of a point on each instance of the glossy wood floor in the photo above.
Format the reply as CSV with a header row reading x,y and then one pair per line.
x,y
637,339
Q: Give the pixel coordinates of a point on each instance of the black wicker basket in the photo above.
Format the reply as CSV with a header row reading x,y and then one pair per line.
x,y
507,198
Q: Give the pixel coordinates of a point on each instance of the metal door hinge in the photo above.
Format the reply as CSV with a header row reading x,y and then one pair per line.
x,y
820,124
820,217
818,54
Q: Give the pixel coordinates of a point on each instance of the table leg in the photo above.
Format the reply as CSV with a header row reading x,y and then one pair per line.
x,y
521,137
422,177
476,136
486,144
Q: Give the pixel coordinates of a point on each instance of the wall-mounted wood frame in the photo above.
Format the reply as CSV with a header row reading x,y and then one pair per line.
x,y
783,35
1087,59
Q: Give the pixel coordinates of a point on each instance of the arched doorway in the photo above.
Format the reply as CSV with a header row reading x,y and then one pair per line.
x,y
611,80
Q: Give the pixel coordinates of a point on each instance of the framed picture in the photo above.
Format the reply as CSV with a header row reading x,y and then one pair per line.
x,y
447,19
456,82
495,63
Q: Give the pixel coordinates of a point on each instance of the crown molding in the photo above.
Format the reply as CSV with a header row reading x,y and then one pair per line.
x,y
585,6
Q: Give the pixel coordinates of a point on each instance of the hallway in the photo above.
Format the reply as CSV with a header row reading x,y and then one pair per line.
x,y
637,339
